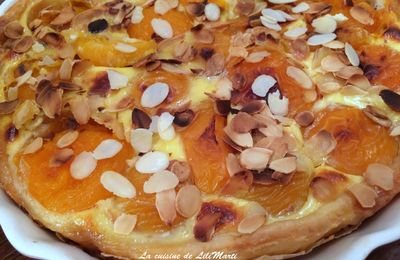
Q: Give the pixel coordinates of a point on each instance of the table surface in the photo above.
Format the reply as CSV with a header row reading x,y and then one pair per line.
x,y
387,252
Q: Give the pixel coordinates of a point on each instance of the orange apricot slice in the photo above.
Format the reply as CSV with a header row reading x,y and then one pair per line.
x,y
360,141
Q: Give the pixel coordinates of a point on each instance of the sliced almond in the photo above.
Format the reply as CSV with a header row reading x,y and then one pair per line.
x,y
160,181
212,12
204,228
165,204
181,170
125,223
254,106
13,30
23,45
224,89
348,71
361,15
359,81
332,63
188,201
300,8
83,165
117,80
162,28
377,115
270,24
65,16
243,123
364,194
165,121
300,77
295,32
239,182
281,1
262,84
285,165
319,39
154,95
322,189
241,139
380,175
66,69
305,118
277,104
125,48
61,157
67,139
334,45
163,6
256,57
141,140
254,219
232,164
152,162
80,109
34,146
324,24
255,158
351,54
117,184
107,149
137,15
320,145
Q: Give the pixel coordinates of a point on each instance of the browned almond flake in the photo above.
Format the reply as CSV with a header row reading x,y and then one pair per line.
x,y
391,98
34,146
361,15
188,201
203,35
215,65
13,30
245,7
66,69
348,71
67,139
66,15
300,48
284,165
364,194
23,45
195,9
238,182
49,98
8,107
125,224
255,217
376,115
222,107
319,8
165,204
61,157
184,118
244,123
322,189
181,170
359,81
332,63
254,106
279,146
305,118
80,109
380,175
232,164
320,144
140,119
80,66
255,158
241,139
54,39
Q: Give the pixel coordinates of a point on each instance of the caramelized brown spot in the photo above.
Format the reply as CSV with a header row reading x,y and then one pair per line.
x,y
195,9
184,118
222,107
209,132
101,85
140,119
370,71
253,107
238,182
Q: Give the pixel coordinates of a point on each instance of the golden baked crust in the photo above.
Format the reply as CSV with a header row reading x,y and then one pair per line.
x,y
336,199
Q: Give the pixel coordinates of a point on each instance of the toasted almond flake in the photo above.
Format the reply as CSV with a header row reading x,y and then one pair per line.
x,y
334,45
160,181
361,15
125,48
67,139
165,121
281,1
255,158
165,204
66,69
38,47
163,6
241,139
152,162
395,130
23,44
83,165
162,28
244,123
154,95
125,223
364,194
224,89
287,16
332,63
117,80
380,175
267,23
285,165
262,84
107,149
319,39
60,157
324,24
295,32
23,78
348,71
47,61
351,54
305,118
359,81
256,57
212,12
273,16
65,16
232,164
137,15
181,170
154,123
255,217
300,77
278,106
117,184
141,140
320,145
188,201
329,87
34,146
300,8
13,30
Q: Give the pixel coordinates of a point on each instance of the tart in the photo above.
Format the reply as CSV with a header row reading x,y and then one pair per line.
x,y
242,128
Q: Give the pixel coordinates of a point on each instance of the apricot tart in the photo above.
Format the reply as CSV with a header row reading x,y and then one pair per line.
x,y
253,128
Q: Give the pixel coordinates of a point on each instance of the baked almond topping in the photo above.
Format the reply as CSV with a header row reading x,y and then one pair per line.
x,y
262,84
162,28
256,57
319,39
241,139
107,149
377,115
232,164
300,77
61,157
160,181
322,189
163,6
361,15
66,69
380,175
117,80
348,71
65,16
212,12
34,146
305,118
284,165
13,30
359,81
278,104
351,54
165,204
152,162
244,123
23,45
154,94
7,107
125,223
364,194
320,145
255,158
181,170
241,181
188,201
117,184
141,140
255,217
332,63
83,165
324,24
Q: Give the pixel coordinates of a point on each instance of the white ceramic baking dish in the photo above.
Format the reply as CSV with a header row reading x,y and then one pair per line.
x,y
31,240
